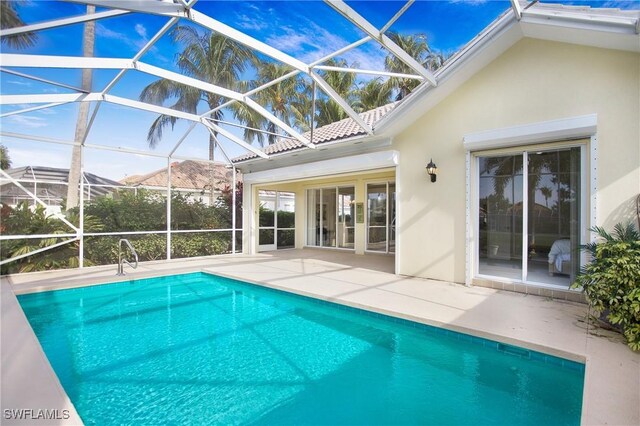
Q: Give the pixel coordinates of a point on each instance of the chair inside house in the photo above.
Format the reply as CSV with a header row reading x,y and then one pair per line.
x,y
560,257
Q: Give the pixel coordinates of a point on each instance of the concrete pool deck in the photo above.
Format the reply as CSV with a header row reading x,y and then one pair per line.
x,y
612,377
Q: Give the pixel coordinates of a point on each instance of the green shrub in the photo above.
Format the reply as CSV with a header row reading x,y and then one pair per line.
x,y
200,244
24,220
122,210
611,281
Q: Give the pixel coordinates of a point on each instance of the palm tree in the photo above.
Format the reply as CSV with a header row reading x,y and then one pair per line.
x,y
416,46
372,94
282,98
5,160
328,111
212,58
9,18
88,44
546,193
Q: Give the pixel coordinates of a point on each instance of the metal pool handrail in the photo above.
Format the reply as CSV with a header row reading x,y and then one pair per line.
x,y
122,260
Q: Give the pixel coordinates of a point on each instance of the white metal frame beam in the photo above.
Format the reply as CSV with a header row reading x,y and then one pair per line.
x,y
30,109
38,200
45,61
56,23
233,138
340,101
183,9
517,9
367,72
22,136
352,16
154,7
43,80
240,37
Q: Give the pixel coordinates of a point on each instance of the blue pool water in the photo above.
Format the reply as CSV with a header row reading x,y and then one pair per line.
x,y
201,349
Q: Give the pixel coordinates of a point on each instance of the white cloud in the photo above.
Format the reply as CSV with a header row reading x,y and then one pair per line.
x,y
103,31
47,111
628,4
25,157
141,30
20,83
469,2
248,23
134,43
313,42
28,121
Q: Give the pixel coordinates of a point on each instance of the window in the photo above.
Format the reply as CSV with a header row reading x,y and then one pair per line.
x,y
529,215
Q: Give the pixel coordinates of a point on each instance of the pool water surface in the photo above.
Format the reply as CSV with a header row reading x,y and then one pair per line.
x,y
202,349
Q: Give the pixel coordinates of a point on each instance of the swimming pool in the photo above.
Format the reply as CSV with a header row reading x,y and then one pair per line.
x,y
201,349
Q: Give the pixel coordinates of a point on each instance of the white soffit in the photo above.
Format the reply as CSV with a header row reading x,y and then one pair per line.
x,y
544,131
584,34
356,163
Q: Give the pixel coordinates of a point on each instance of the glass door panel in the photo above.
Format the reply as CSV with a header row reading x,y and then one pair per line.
x,y
286,220
500,216
392,217
313,217
553,216
329,216
276,220
266,220
346,219
377,217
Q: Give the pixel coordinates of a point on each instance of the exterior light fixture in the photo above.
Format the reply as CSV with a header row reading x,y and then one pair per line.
x,y
432,170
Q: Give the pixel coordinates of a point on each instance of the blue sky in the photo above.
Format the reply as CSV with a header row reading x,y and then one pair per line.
x,y
307,30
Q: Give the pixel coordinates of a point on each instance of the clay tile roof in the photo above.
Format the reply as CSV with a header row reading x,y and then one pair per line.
x,y
333,132
187,174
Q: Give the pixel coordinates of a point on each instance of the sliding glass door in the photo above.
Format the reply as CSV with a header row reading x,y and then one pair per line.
x,y
330,217
276,220
381,217
529,214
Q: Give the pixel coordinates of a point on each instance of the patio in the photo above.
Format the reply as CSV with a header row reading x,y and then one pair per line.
x,y
540,323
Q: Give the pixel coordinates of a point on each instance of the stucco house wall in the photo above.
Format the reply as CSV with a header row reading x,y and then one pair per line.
x,y
533,81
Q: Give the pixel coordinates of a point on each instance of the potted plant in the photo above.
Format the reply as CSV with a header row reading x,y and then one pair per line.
x,y
611,280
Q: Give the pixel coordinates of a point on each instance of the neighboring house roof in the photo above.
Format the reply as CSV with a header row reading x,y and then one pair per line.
x,y
52,174
598,27
187,174
340,130
43,175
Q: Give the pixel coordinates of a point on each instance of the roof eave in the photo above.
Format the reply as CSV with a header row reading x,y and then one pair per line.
x,y
303,155
612,32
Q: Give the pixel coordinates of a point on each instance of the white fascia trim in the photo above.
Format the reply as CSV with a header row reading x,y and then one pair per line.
x,y
592,21
356,163
544,131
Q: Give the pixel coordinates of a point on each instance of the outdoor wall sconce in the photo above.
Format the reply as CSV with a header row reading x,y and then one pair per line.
x,y
432,170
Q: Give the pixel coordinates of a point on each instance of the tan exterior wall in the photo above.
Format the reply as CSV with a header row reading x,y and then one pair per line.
x,y
359,180
533,81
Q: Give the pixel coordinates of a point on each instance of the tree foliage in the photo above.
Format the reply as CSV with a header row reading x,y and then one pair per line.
x,y
123,211
25,220
611,281
5,160
209,57
9,18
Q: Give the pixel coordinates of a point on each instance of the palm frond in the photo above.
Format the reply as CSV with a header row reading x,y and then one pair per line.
x,y
9,18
